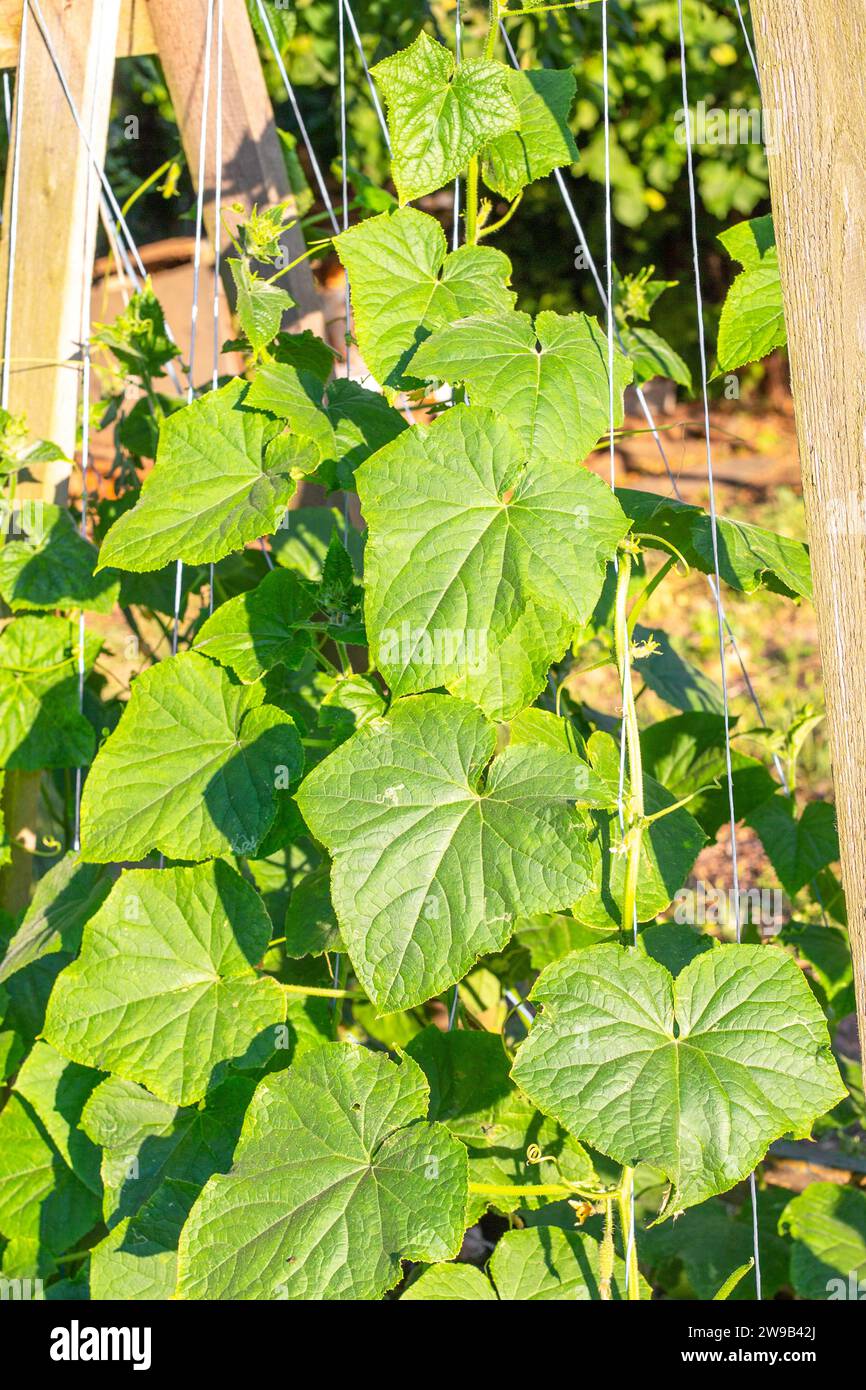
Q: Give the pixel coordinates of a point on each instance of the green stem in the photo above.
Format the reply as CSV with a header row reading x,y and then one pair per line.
x,y
634,812
492,1189
324,993
472,202
628,1235
545,9
493,31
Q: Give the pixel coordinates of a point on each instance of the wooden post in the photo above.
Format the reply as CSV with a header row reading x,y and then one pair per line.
x,y
812,59
254,169
58,206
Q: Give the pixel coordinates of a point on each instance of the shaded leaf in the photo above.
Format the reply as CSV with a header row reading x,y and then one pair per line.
x,y
165,988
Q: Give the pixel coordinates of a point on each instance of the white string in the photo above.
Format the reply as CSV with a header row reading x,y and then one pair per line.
x,y
84,334
699,301
344,144
218,192
314,163
611,358
383,124
646,410
458,41
751,51
196,273
13,213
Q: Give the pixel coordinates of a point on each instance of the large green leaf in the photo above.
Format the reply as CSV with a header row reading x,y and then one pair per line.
x,y
51,566
752,324
40,721
481,562
405,284
798,848
165,988
471,1093
147,1142
828,1226
696,1076
64,899
420,883
749,556
223,476
439,114
543,142
336,1178
190,770
265,627
548,380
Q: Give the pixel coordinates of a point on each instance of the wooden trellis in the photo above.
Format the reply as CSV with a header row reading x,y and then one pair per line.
x,y
58,212
812,60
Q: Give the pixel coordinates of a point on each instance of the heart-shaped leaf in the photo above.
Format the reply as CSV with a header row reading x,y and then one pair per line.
x,y
543,142
415,826
696,1076
548,380
223,476
481,562
440,114
165,988
405,283
191,769
336,1178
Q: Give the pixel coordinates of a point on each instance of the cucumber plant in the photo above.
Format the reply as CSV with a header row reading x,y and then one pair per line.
x,y
377,755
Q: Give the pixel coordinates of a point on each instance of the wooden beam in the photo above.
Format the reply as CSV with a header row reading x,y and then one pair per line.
x,y
253,165
58,206
134,34
812,60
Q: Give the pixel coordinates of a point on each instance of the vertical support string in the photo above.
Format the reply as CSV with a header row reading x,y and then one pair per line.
x,y
344,147
84,335
458,43
720,615
196,275
290,92
218,193
629,1235
749,48
383,124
